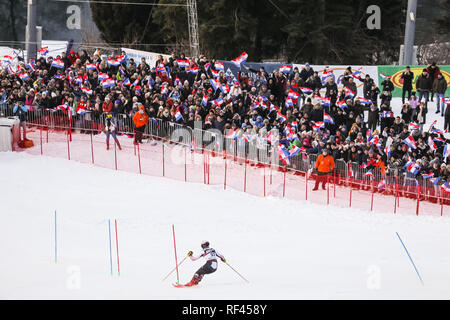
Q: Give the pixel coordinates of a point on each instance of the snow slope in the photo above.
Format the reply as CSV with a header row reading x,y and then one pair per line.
x,y
286,249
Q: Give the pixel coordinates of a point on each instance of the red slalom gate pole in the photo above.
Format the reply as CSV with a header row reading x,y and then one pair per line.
x,y
40,136
328,189
225,176
442,202
208,167
139,158
175,249
306,185
115,154
418,200
371,202
245,174
68,147
134,145
92,149
164,169
351,190
284,183
117,248
334,185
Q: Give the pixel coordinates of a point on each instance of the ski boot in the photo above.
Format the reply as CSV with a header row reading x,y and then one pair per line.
x,y
195,280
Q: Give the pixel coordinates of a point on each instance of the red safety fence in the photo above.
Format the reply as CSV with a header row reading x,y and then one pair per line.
x,y
189,163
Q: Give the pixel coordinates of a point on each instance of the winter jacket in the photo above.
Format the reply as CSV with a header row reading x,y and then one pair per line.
x,y
424,83
324,164
440,85
139,119
407,80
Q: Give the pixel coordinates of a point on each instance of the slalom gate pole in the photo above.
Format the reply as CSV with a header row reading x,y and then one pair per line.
x,y
442,202
245,174
175,268
237,273
351,189
306,185
328,189
139,158
373,190
40,136
164,168
56,242
110,248
284,182
68,147
115,154
415,268
117,248
334,184
225,176
418,200
264,177
134,137
207,161
175,249
92,148
185,166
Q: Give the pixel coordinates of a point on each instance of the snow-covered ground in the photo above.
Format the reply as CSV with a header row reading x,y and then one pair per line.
x,y
286,249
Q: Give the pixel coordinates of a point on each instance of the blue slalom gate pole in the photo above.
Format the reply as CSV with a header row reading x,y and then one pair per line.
x,y
415,268
56,242
110,250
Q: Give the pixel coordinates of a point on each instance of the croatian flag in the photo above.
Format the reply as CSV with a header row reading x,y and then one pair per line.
x,y
87,91
178,115
218,102
183,63
215,73
431,144
102,76
383,76
364,165
127,82
357,74
24,76
214,84
43,51
325,101
108,83
446,187
294,151
435,180
319,124
428,175
437,131
413,168
413,126
446,100
177,82
193,70
289,103
113,62
439,139
293,94
164,90
91,66
387,114
273,108
285,68
281,117
271,137
57,63
31,65
410,142
306,90
219,66
283,154
241,59
364,101
205,100
327,118
446,152
121,59
342,104
349,93
161,69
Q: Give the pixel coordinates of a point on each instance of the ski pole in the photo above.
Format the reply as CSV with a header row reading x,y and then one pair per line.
x,y
236,272
174,268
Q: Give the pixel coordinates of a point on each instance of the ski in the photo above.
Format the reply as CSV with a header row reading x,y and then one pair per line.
x,y
178,285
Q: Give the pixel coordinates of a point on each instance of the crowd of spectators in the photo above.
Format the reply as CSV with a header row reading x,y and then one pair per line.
x,y
299,104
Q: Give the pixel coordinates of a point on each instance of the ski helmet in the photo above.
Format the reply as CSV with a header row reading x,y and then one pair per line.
x,y
205,244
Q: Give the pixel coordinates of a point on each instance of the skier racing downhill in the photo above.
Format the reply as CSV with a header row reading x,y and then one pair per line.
x,y
209,267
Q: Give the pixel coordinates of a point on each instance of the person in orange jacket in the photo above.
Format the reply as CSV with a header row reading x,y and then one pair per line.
x,y
140,120
324,166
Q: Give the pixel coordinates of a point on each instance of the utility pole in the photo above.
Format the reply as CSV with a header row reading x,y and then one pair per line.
x,y
410,30
193,27
31,33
